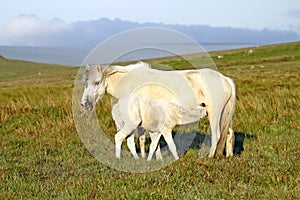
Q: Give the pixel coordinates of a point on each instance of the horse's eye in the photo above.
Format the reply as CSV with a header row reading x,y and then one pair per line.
x,y
97,82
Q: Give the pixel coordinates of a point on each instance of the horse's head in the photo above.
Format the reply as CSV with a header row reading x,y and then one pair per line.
x,y
94,79
95,85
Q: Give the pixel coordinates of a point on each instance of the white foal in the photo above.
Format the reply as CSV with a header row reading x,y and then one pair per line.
x,y
157,116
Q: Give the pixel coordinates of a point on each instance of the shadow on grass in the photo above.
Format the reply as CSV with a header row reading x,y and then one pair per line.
x,y
238,145
194,140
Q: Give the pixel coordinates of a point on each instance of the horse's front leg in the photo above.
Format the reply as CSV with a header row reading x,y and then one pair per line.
x,y
142,140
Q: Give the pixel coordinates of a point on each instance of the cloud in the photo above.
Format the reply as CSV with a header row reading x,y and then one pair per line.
x,y
29,30
294,13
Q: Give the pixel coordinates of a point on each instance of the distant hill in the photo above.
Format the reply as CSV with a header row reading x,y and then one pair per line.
x,y
90,33
95,31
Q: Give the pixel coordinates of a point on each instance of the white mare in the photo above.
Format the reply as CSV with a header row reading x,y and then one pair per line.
x,y
182,87
158,116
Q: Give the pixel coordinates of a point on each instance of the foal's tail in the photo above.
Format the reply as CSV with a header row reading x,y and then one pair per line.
x,y
226,118
117,117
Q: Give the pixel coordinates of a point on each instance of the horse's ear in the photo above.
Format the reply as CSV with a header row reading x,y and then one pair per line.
x,y
99,68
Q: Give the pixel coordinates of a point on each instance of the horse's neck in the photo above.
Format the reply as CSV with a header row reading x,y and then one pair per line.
x,y
112,83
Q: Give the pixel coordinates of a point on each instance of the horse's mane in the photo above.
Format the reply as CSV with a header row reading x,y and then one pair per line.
x,y
140,64
124,69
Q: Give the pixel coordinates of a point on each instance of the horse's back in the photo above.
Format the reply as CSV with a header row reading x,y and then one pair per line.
x,y
183,87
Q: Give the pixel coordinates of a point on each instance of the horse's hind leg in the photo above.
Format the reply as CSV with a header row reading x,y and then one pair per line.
x,y
230,143
215,135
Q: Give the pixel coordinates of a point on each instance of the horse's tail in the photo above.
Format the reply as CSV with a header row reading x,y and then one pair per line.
x,y
226,118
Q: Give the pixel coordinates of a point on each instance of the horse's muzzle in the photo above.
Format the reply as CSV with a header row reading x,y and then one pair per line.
x,y
87,105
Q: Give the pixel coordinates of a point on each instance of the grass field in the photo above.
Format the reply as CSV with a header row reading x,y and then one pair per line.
x,y
42,157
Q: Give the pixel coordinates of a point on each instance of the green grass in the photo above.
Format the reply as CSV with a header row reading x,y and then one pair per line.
x,y
41,155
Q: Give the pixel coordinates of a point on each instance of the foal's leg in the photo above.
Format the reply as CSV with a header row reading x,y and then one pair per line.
x,y
131,146
120,136
172,147
142,140
155,136
158,153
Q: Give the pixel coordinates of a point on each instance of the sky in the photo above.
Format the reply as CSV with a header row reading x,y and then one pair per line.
x,y
255,14
249,14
